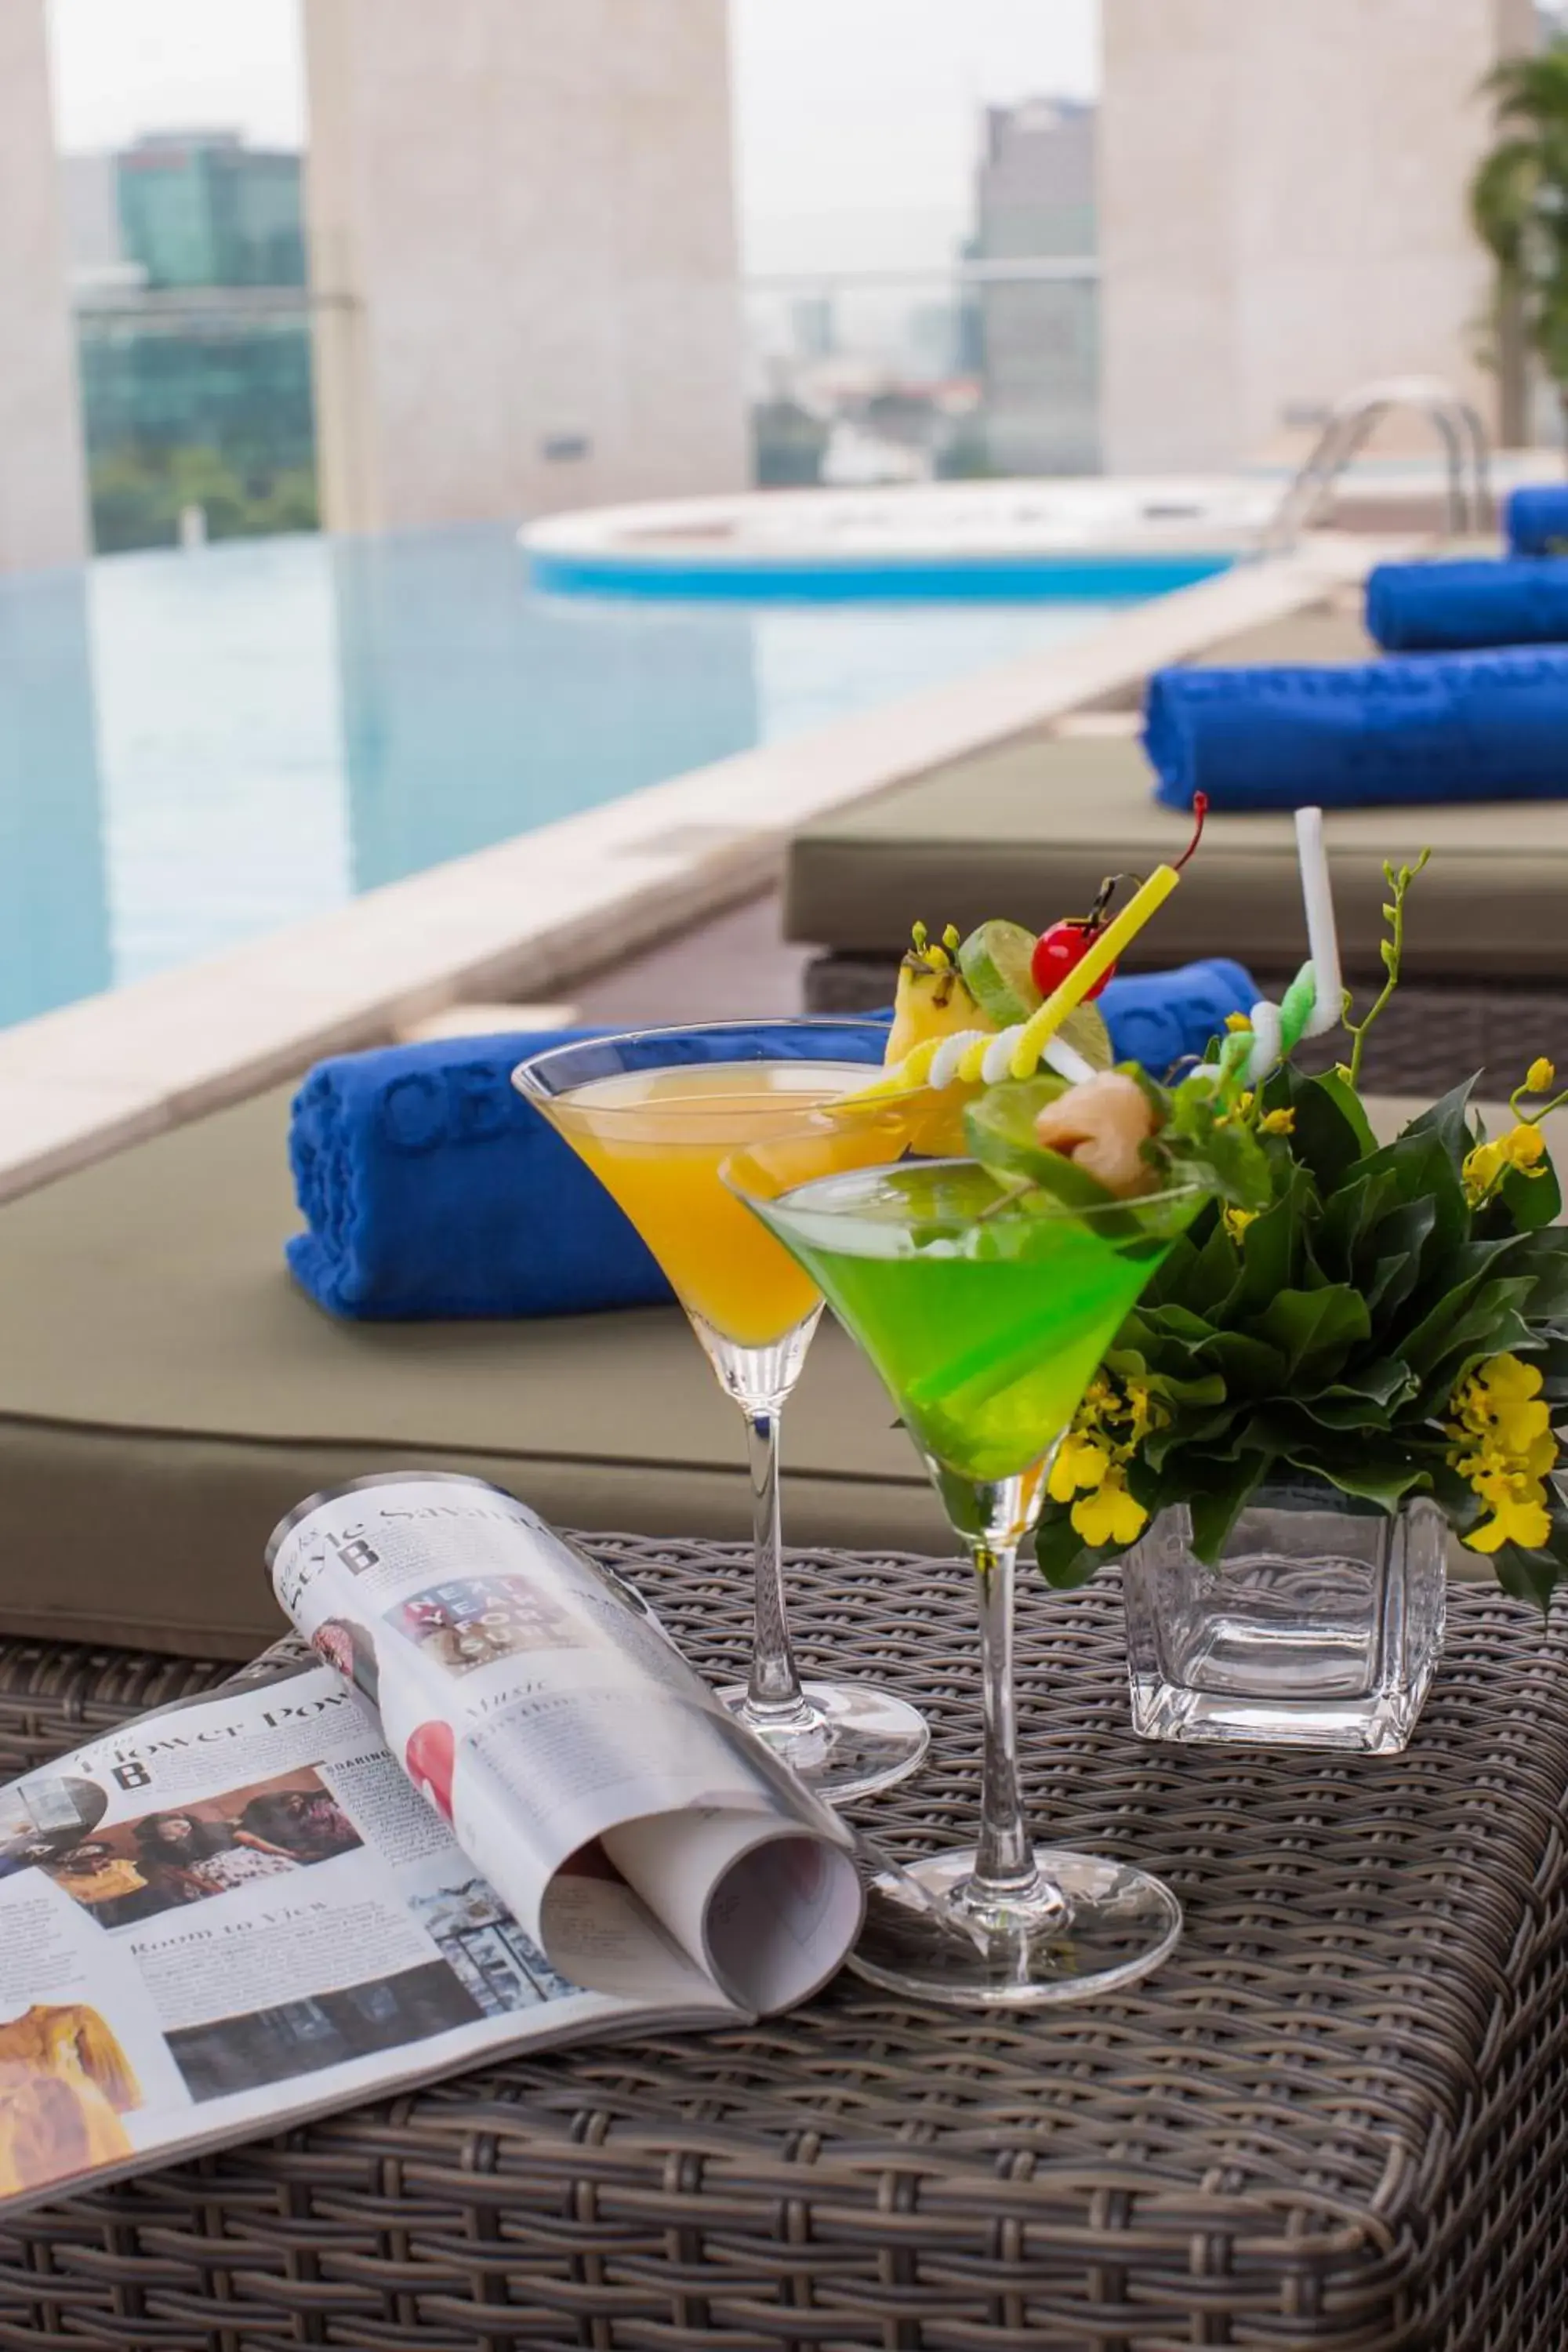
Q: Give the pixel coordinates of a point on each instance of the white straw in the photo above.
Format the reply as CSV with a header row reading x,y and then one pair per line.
x,y
1322,937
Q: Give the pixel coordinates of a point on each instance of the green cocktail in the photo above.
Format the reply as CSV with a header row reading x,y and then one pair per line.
x,y
986,1312
986,1321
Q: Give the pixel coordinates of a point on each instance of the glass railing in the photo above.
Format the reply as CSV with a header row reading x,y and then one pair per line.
x,y
199,418
988,368
197,415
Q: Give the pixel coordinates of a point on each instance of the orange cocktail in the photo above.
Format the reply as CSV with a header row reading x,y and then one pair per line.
x,y
655,1113
657,1138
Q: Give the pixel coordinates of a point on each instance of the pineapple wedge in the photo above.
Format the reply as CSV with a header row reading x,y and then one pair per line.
x,y
933,999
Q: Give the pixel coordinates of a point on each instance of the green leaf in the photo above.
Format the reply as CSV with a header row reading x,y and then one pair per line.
x,y
1343,1409
1350,1215
1530,1576
1494,1326
1331,1131
1273,1244
1180,1322
1208,1388
1425,1170
1386,1380
1199,1270
1531,1199
1193,1427
1386,1483
1464,1275
1250,1365
1400,1243
1339,1090
1312,1326
1448,1119
1217,1503
1543,1255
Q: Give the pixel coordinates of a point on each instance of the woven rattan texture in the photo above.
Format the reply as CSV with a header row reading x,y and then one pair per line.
x,y
1336,2119
1432,1037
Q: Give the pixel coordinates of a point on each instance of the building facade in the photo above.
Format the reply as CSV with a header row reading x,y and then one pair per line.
x,y
522,248
1039,341
201,209
1282,212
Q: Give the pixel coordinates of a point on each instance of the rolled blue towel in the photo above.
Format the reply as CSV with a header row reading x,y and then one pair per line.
x,y
1400,732
1161,1018
1413,608
1536,520
430,1189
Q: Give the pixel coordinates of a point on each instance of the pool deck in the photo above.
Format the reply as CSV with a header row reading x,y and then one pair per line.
x,y
542,915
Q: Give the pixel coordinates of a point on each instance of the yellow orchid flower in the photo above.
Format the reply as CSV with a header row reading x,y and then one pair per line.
x,y
1077,1461
1504,1446
1110,1515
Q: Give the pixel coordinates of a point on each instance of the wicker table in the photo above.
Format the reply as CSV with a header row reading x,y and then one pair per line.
x,y
1336,2119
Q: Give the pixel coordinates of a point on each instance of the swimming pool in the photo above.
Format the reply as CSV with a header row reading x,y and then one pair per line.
x,y
199,749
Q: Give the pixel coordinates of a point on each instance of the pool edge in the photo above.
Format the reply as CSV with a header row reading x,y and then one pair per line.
x,y
552,907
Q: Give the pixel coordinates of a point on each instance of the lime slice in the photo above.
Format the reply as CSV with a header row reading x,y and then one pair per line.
x,y
999,1127
995,961
1086,1032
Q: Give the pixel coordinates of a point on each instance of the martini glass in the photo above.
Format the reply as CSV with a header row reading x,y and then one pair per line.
x,y
986,1314
654,1113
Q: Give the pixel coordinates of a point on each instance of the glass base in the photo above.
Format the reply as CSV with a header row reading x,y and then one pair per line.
x,y
1090,1927
844,1740
1320,1626
1380,1724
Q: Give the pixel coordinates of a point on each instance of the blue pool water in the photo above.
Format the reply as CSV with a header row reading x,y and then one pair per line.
x,y
197,749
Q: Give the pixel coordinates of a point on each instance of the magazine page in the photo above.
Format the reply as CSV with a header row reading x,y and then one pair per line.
x,y
537,1702
236,1911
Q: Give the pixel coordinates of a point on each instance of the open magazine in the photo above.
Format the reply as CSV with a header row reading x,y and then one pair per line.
x,y
503,1812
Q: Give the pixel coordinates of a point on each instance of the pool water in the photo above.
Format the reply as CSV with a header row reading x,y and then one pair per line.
x,y
198,748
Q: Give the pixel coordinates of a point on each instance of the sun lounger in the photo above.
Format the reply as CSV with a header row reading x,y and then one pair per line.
x,y
166,1394
1028,828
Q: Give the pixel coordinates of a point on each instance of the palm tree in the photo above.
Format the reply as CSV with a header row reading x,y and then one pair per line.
x,y
1519,204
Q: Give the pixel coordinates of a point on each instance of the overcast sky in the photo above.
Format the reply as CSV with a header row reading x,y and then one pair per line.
x,y
854,119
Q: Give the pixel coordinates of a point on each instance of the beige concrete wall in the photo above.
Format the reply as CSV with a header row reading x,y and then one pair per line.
x,y
42,494
1282,212
522,224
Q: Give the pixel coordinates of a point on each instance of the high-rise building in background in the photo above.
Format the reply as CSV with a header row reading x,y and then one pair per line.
x,y
187,257
1035,201
201,209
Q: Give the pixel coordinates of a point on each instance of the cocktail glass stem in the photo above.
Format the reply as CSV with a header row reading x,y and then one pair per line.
x,y
760,1380
1005,1857
773,1686
991,1519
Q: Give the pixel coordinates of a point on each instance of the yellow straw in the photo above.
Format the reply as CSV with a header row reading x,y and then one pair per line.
x,y
1070,993
1042,1025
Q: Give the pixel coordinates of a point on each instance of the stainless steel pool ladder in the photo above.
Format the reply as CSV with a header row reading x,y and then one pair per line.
x,y
1347,429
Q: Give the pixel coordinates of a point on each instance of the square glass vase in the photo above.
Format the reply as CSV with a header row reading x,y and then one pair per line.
x,y
1320,1627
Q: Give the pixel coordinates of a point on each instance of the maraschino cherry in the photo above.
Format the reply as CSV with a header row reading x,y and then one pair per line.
x,y
1059,950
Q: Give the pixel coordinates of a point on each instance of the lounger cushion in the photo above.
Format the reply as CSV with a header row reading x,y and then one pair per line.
x,y
1029,827
166,1394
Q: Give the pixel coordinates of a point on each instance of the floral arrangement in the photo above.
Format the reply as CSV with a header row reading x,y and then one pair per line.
x,y
1391,1319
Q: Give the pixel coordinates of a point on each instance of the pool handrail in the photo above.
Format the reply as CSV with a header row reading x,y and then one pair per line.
x,y
1348,427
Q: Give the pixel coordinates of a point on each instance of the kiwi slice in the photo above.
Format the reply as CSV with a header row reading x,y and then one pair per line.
x,y
995,961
